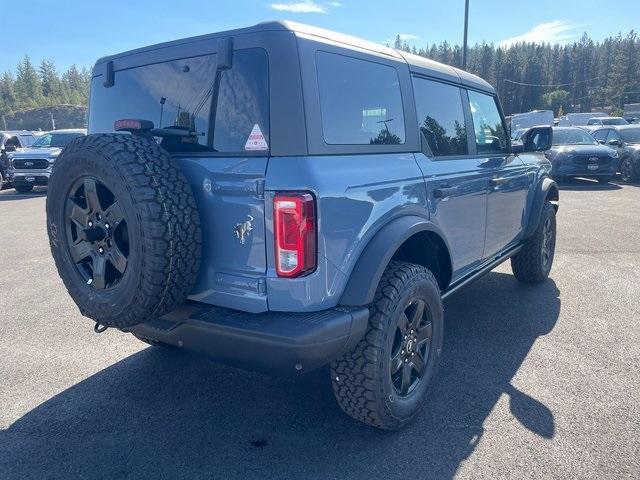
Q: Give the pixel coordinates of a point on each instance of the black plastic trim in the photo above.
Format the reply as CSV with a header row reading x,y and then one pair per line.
x,y
280,343
481,271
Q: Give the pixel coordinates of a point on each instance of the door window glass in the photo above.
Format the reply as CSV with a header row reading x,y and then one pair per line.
x,y
601,135
613,135
440,117
491,136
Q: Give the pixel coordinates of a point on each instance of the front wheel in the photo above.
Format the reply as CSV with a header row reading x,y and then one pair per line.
x,y
627,170
533,262
384,380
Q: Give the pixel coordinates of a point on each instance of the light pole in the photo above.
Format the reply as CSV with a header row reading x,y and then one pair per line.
x,y
466,27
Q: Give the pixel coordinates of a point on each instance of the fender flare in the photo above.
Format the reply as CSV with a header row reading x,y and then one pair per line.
x,y
544,186
367,272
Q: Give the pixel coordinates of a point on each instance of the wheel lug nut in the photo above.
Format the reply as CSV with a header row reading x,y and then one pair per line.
x,y
402,352
405,337
413,353
90,223
101,250
107,226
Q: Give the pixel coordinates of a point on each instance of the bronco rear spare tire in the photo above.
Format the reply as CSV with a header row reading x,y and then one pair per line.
x,y
123,228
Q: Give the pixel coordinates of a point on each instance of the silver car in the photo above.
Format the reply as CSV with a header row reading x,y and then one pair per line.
x,y
32,166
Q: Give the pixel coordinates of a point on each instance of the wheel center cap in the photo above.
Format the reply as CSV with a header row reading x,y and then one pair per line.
x,y
410,345
95,234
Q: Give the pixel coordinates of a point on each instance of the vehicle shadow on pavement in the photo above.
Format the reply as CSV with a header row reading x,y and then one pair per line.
x,y
586,184
166,414
9,195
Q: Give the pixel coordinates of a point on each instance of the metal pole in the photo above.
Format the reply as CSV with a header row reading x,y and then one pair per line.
x,y
466,27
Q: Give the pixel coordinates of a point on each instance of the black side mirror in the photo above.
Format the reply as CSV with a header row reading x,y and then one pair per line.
x,y
601,142
536,139
615,143
10,148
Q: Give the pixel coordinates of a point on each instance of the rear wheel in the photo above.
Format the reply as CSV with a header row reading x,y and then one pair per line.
x,y
384,380
533,263
23,188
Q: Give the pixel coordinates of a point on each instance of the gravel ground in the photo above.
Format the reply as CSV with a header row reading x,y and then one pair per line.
x,y
535,382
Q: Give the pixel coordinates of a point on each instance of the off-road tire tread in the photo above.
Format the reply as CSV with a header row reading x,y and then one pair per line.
x,y
526,264
166,209
355,376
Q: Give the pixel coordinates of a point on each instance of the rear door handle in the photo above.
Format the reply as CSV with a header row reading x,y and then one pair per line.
x,y
444,191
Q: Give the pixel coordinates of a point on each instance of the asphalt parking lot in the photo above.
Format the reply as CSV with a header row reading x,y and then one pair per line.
x,y
535,382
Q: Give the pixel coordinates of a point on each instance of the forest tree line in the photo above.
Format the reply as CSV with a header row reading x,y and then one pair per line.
x,y
42,86
567,77
576,77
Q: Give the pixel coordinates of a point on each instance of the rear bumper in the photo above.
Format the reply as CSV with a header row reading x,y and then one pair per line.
x,y
273,342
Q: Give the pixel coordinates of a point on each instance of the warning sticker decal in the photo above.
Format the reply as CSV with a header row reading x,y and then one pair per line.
x,y
256,140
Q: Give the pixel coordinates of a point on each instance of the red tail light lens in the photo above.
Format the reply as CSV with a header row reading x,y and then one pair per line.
x,y
295,232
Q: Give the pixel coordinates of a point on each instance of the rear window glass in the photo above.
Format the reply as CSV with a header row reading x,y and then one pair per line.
x,y
441,117
242,115
360,101
181,94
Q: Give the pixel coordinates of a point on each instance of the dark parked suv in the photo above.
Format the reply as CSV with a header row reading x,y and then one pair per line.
x,y
10,141
575,153
625,139
283,197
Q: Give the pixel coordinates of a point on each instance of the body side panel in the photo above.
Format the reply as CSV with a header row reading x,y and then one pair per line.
x,y
356,196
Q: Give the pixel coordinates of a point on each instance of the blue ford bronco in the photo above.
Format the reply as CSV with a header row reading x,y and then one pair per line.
x,y
282,198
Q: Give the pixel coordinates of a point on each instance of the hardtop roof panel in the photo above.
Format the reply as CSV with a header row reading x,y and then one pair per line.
x,y
416,63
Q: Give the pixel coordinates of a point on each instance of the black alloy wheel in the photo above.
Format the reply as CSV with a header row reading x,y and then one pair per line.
x,y
384,380
411,346
548,242
97,235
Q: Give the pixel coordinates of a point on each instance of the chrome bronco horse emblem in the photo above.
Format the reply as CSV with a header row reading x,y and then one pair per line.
x,y
243,229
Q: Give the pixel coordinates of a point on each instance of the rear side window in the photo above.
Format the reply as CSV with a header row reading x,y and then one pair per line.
x,y
441,117
491,137
360,101
181,94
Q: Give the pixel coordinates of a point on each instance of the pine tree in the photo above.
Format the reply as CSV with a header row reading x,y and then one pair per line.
x,y
51,84
28,86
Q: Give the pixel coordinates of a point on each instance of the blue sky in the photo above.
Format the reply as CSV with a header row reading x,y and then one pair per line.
x,y
80,31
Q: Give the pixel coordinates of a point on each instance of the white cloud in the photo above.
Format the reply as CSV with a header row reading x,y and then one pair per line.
x,y
333,4
557,31
305,6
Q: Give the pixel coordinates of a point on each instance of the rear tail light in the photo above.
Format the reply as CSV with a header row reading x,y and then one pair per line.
x,y
295,232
